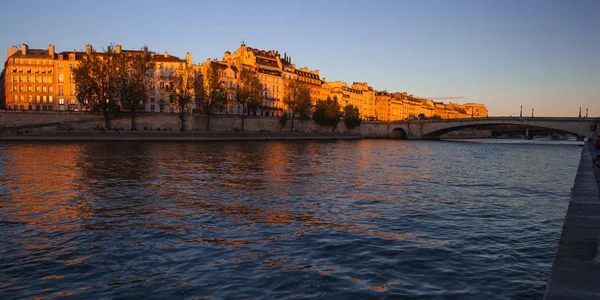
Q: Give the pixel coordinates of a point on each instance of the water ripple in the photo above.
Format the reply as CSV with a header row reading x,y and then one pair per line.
x,y
336,220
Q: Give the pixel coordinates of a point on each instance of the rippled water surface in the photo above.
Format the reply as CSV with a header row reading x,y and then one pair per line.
x,y
369,219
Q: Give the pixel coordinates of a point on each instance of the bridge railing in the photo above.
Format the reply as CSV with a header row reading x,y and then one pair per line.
x,y
487,119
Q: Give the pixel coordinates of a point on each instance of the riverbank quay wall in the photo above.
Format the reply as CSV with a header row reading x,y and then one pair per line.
x,y
34,122
576,269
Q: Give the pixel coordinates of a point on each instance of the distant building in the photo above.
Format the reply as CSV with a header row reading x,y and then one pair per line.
x,y
42,79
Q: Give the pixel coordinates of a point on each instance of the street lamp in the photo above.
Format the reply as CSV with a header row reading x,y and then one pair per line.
x,y
532,112
586,112
521,113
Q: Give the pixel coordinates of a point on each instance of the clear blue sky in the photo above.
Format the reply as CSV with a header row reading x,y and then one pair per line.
x,y
543,55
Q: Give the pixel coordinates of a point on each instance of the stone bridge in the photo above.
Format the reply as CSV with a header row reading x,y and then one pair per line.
x,y
433,129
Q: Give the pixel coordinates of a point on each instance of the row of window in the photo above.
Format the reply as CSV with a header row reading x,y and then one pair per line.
x,y
43,99
37,79
41,79
43,89
30,98
30,89
32,61
34,70
40,70
31,107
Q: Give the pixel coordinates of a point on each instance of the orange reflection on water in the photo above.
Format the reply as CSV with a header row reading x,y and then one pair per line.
x,y
38,192
381,288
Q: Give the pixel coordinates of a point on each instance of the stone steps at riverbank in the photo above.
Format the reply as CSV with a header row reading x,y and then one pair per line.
x,y
175,136
576,269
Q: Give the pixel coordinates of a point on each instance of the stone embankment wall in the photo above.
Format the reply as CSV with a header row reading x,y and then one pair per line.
x,y
576,270
80,121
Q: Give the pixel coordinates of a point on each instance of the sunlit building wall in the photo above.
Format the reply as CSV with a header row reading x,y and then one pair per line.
x,y
42,79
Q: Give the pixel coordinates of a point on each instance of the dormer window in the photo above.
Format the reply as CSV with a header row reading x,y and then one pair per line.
x,y
72,56
60,56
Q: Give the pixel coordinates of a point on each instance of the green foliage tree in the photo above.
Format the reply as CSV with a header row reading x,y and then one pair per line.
x,y
351,116
97,81
211,93
328,112
248,92
283,120
297,99
182,90
136,81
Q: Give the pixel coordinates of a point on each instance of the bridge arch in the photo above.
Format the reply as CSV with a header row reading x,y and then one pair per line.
x,y
433,129
398,133
440,132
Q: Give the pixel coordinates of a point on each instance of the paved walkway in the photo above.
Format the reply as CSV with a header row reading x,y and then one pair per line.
x,y
576,269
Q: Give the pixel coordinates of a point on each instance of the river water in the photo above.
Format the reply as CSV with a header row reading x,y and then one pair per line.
x,y
367,219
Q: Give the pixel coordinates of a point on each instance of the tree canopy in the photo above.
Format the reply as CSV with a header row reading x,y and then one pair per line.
x,y
136,81
248,92
351,116
211,94
297,99
97,81
328,112
182,90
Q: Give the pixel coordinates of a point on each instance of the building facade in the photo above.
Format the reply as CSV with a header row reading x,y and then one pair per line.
x,y
42,79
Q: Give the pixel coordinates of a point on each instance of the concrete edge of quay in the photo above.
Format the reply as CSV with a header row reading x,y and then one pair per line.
x,y
575,272
187,136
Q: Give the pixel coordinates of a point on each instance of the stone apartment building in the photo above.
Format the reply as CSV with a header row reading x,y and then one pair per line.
x,y
42,79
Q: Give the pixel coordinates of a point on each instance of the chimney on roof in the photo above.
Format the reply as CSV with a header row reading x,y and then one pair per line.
x,y
145,49
11,51
166,53
188,58
24,49
88,49
118,49
50,50
316,72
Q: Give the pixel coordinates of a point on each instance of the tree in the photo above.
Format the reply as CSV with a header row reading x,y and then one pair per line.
x,y
182,90
248,92
351,116
328,112
297,99
135,83
97,82
283,120
211,93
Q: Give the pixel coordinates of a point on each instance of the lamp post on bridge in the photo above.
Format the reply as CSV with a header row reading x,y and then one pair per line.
x,y
586,113
521,113
580,112
532,112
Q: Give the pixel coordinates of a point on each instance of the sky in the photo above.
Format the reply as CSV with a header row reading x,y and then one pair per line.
x,y
541,55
